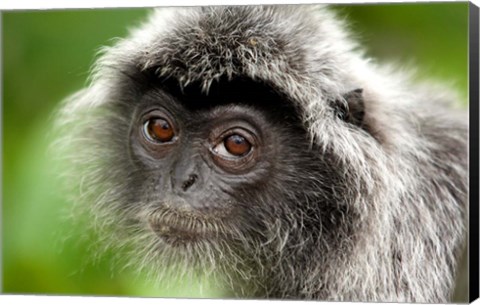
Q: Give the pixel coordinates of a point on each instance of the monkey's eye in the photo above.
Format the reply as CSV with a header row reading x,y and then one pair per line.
x,y
233,145
235,150
237,145
157,129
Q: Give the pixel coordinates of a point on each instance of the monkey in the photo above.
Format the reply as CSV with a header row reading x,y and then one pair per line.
x,y
259,145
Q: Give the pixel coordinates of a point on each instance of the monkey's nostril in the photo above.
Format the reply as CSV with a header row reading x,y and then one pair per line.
x,y
188,183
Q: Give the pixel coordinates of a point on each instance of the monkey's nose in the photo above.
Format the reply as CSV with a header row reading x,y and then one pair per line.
x,y
185,174
183,182
189,182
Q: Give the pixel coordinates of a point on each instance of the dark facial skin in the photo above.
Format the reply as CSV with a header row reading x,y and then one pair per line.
x,y
201,159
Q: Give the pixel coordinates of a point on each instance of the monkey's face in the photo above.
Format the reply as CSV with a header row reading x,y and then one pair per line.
x,y
205,164
196,162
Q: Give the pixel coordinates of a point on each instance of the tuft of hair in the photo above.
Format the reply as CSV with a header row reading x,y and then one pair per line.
x,y
393,228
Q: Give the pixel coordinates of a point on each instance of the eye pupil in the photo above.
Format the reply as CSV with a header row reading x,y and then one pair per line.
x,y
237,145
158,129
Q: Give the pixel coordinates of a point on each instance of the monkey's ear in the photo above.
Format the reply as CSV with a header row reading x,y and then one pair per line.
x,y
352,108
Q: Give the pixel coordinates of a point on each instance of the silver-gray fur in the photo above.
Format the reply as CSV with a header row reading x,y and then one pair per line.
x,y
398,228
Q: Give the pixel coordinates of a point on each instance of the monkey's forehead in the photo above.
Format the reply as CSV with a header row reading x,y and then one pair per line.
x,y
302,51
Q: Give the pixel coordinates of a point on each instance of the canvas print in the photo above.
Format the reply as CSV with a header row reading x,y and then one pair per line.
x,y
310,152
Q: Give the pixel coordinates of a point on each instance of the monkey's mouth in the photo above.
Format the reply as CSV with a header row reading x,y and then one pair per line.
x,y
180,228
177,235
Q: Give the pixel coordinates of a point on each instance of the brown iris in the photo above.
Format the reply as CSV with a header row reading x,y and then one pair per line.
x,y
237,145
159,130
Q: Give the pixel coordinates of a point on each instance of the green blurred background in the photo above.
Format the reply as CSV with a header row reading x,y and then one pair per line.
x,y
47,56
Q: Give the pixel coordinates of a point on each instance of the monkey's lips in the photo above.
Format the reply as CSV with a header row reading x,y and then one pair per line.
x,y
177,228
176,235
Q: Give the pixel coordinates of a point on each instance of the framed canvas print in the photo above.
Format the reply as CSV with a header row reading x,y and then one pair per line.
x,y
299,152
